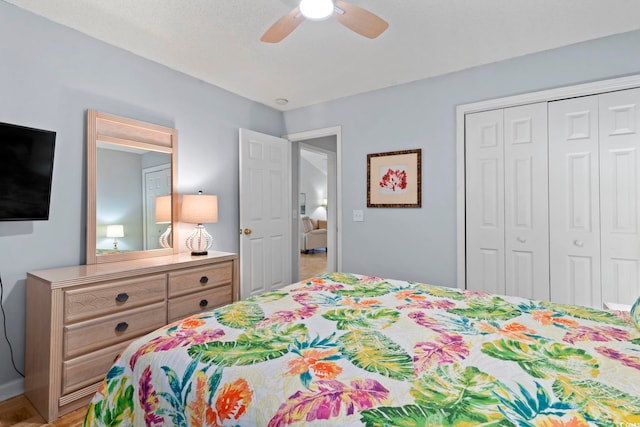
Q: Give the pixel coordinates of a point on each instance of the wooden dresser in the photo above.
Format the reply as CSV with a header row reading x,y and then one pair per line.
x,y
80,318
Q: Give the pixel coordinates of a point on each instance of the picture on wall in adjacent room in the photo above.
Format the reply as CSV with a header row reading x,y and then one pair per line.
x,y
394,179
303,203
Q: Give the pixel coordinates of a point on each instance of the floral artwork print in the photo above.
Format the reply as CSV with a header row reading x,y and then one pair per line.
x,y
349,350
394,180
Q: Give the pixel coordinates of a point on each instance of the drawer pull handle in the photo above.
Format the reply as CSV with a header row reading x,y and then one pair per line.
x,y
204,303
204,279
122,326
122,297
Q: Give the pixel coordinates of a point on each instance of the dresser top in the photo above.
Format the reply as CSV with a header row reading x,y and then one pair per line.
x,y
81,274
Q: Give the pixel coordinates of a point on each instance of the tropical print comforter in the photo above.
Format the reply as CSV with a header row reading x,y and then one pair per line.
x,y
350,350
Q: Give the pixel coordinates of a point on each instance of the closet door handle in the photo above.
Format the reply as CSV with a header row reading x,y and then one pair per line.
x,y
521,239
578,243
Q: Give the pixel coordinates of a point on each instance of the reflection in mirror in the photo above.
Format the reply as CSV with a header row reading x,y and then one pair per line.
x,y
130,183
163,218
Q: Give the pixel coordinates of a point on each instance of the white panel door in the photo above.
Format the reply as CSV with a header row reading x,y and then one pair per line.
x,y
526,201
265,213
619,195
485,202
157,182
574,205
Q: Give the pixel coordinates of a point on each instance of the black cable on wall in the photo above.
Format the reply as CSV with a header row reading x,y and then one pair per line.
x,y
4,324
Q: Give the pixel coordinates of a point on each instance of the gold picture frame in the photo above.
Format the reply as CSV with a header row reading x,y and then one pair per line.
x,y
394,179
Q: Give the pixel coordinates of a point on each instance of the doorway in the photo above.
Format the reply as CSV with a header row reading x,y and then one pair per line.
x,y
313,200
319,152
156,182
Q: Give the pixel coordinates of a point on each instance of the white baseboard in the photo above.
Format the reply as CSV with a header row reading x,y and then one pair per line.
x,y
11,389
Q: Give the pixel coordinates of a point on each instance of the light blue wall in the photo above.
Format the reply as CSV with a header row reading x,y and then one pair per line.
x,y
119,198
49,76
420,244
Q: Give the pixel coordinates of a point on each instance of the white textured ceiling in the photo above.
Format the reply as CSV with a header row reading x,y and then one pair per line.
x,y
218,40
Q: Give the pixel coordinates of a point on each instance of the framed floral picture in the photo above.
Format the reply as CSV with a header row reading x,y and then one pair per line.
x,y
394,179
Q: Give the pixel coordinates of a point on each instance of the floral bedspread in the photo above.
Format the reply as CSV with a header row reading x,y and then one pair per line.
x,y
349,350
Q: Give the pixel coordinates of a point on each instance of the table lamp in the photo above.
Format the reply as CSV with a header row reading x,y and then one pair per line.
x,y
199,209
115,231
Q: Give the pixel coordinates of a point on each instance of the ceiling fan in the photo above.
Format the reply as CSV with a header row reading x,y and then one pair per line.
x,y
353,17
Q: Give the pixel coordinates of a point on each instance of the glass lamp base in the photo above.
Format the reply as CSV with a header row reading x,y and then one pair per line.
x,y
199,241
165,238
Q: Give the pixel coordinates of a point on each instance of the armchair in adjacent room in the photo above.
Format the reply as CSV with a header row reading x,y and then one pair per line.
x,y
314,234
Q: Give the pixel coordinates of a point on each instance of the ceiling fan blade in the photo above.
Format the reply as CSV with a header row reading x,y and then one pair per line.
x,y
283,27
359,20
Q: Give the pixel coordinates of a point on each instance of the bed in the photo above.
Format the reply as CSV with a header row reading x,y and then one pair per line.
x,y
351,350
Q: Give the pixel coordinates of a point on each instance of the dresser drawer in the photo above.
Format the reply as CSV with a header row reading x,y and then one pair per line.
x,y
206,300
89,368
90,335
194,279
110,297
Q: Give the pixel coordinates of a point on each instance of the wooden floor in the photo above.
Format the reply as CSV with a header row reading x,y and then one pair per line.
x,y
18,411
312,264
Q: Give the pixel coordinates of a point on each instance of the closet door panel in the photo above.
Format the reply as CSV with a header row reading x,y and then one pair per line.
x,y
485,202
619,194
574,204
526,201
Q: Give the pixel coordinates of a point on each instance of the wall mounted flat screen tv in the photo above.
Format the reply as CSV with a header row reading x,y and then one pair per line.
x,y
26,170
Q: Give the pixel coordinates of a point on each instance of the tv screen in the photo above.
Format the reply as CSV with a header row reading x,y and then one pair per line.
x,y
26,168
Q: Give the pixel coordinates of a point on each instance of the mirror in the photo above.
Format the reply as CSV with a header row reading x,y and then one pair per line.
x,y
131,200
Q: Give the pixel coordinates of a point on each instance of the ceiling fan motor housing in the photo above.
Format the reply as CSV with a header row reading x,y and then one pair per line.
x,y
316,10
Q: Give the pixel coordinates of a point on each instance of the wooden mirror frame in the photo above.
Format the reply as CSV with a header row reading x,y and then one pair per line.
x,y
126,132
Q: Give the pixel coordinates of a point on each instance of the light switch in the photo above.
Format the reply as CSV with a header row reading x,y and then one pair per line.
x,y
358,215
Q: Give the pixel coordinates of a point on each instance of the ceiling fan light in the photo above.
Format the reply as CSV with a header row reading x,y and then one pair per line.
x,y
316,10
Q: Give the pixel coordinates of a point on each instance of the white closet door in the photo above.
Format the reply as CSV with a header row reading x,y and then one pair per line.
x,y
574,217
619,195
526,201
485,202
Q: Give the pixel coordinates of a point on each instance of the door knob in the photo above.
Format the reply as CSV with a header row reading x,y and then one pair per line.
x,y
247,231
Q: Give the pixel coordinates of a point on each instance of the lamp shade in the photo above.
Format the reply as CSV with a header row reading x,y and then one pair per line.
x,y
163,209
116,230
199,209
